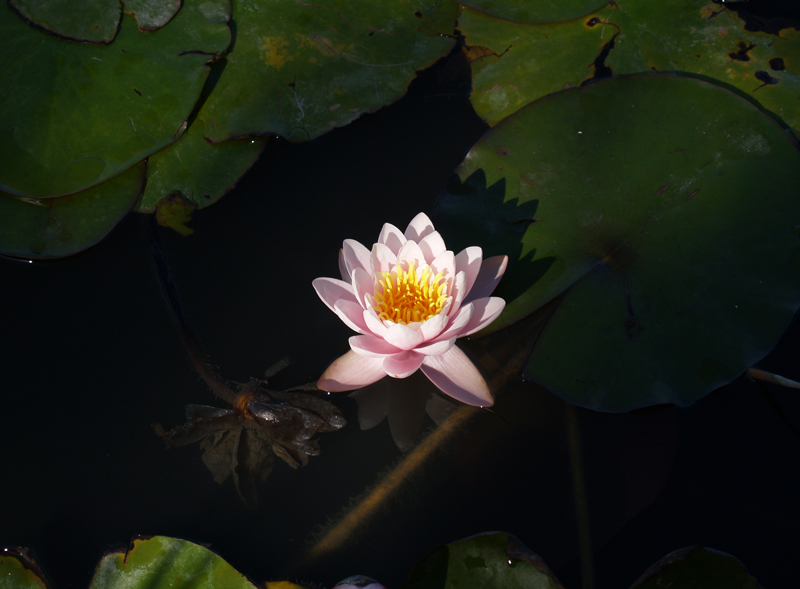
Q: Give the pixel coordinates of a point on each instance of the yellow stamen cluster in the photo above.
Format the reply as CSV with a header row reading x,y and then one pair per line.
x,y
410,296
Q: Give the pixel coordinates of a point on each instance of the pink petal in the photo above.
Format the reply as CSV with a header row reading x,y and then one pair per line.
x,y
355,256
490,274
486,311
382,259
419,227
457,323
458,292
374,324
364,286
432,245
434,349
403,364
343,271
444,263
391,237
403,336
352,314
331,290
469,260
372,347
351,371
433,326
458,377
411,252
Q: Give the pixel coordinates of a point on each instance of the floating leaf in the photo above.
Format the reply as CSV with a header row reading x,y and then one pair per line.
x,y
522,63
298,69
514,64
536,12
665,216
697,567
151,15
73,115
489,561
92,22
166,563
57,227
19,570
201,173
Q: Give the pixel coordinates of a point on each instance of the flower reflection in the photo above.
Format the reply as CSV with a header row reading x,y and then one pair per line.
x,y
410,298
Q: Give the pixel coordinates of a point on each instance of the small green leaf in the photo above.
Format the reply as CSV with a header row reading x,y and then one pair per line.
x,y
197,170
665,210
19,570
57,227
91,22
166,563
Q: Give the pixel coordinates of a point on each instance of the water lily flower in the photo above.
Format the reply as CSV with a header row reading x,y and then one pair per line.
x,y
409,299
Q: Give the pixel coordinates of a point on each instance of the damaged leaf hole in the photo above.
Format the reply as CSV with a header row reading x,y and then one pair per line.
x,y
777,64
741,55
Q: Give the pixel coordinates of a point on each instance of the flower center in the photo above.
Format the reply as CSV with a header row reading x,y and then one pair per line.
x,y
410,297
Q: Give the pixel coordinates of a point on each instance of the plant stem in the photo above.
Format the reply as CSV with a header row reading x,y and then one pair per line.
x,y
581,501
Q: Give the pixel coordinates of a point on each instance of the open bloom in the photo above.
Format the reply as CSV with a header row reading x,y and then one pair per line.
x,y
410,298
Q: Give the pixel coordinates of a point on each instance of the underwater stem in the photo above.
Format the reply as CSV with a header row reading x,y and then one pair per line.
x,y
581,501
335,537
214,381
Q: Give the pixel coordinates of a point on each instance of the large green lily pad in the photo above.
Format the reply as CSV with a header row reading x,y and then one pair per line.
x,y
162,563
536,12
692,37
73,115
666,220
298,69
201,173
489,561
57,227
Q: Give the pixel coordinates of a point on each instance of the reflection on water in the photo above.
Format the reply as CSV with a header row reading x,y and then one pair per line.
x,y
91,359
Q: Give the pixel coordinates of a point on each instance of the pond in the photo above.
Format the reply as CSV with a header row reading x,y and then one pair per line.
x,y
91,359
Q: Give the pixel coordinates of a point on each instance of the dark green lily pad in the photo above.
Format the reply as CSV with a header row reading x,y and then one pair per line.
x,y
514,64
299,69
692,37
57,227
489,561
163,563
201,173
73,115
536,12
151,15
19,570
665,214
97,21
90,22
697,567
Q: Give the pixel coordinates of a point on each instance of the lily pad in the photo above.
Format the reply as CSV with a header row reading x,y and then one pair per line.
x,y
57,227
162,563
73,115
489,561
666,214
201,173
519,64
697,567
151,15
19,570
299,69
536,12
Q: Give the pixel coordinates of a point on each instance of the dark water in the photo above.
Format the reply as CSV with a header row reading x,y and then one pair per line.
x,y
90,359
